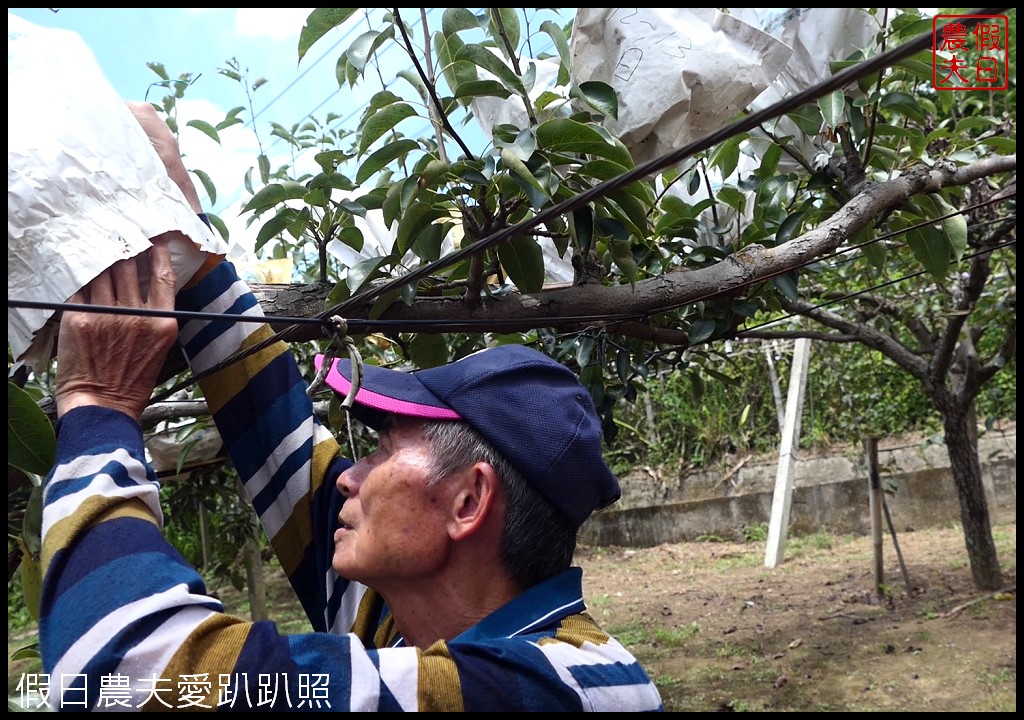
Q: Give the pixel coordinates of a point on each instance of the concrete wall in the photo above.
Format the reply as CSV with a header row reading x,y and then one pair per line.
x,y
830,493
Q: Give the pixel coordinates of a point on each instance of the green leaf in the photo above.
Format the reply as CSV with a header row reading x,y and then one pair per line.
x,y
223,124
790,227
208,186
562,46
31,444
428,351
329,160
919,65
482,88
363,272
434,173
769,161
774,192
525,145
415,218
319,23
295,229
352,237
832,107
381,122
219,224
523,261
600,96
954,228
732,197
622,255
582,228
344,72
931,249
726,156
273,194
27,652
417,83
875,252
457,19
352,207
380,158
584,349
427,243
391,208
381,100
1002,145
509,23
159,69
786,284
622,364
694,184
807,118
906,104
205,128
512,162
700,331
363,47
484,58
565,135
264,165
274,227
629,210
447,47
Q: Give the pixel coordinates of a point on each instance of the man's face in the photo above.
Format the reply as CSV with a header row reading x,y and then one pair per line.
x,y
393,526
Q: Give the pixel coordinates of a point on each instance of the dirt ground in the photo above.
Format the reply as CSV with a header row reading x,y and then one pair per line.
x,y
718,631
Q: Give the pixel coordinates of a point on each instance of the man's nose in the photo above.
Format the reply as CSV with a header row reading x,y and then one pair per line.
x,y
350,480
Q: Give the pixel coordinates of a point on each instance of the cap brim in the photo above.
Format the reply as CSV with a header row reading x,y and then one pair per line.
x,y
387,392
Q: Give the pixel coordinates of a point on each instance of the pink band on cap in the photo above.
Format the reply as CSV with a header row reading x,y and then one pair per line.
x,y
388,404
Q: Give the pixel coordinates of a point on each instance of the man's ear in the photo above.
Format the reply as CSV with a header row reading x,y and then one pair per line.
x,y
475,503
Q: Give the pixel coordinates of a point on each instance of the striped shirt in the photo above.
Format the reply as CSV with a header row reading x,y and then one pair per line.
x,y
126,623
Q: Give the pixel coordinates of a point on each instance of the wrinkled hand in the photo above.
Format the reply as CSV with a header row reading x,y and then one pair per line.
x,y
166,146
114,361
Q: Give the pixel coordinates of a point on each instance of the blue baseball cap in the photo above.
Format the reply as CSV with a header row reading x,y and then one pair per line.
x,y
531,408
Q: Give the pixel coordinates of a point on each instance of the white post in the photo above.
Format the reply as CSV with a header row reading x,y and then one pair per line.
x,y
782,498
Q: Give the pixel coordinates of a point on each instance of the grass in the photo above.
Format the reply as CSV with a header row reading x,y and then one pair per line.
x,y
630,635
731,651
1000,677
676,637
732,562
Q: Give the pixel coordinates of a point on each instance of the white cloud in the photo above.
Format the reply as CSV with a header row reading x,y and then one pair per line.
x,y
273,23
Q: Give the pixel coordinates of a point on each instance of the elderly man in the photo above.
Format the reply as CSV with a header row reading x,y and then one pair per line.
x,y
436,571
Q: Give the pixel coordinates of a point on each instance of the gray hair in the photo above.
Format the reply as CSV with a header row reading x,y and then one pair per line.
x,y
537,540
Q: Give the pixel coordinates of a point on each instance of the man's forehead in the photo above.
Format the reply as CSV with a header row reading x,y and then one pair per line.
x,y
394,423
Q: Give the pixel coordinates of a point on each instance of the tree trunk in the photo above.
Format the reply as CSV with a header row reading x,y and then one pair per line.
x,y
255,584
962,446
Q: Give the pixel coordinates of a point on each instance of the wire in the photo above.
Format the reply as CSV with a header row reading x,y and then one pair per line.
x,y
150,312
865,291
